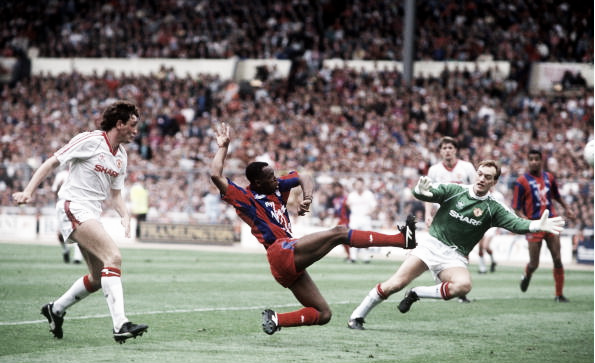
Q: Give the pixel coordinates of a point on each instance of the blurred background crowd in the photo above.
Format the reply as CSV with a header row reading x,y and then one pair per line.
x,y
337,124
514,30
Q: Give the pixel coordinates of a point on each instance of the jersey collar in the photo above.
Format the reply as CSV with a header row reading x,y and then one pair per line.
x,y
475,196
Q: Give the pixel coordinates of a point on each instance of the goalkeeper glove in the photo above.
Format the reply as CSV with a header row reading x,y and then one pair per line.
x,y
423,186
544,224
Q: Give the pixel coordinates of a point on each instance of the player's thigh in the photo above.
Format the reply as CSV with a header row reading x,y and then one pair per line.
x,y
534,251
553,244
96,241
411,268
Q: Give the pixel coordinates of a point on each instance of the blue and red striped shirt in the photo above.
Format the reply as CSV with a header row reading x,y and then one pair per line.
x,y
342,211
266,214
532,194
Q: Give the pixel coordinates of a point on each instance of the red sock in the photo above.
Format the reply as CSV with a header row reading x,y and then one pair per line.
x,y
444,291
559,280
365,239
381,292
305,316
88,284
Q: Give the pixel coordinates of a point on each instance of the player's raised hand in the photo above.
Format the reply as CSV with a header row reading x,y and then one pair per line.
x,y
222,133
304,207
553,225
423,186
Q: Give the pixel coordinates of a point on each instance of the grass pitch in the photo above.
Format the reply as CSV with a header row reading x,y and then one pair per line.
x,y
205,307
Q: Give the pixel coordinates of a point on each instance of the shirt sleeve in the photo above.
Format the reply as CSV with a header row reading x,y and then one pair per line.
x,y
506,219
288,182
82,146
517,195
235,195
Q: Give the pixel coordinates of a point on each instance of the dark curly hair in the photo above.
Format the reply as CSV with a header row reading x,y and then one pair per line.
x,y
254,170
119,110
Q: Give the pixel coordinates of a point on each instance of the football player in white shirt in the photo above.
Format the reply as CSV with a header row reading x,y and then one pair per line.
x,y
97,161
450,170
77,255
362,204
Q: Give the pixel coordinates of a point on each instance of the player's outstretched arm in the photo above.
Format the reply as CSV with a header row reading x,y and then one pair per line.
x,y
40,174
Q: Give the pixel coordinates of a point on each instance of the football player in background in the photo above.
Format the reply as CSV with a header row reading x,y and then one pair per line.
x,y
341,212
534,192
77,257
362,203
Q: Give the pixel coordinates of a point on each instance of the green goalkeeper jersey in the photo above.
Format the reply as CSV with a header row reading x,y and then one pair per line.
x,y
464,217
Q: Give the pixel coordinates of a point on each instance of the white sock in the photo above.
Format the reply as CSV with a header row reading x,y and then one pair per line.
x,y
76,252
111,283
74,294
369,302
432,292
482,264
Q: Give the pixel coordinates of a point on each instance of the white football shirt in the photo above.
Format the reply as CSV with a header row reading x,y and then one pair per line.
x,y
94,168
462,173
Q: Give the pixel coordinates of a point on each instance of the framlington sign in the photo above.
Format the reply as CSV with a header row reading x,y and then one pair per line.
x,y
187,233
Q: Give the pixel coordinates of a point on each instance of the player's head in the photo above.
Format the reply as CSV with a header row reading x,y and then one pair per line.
x,y
359,185
261,177
535,159
488,173
337,188
448,148
118,111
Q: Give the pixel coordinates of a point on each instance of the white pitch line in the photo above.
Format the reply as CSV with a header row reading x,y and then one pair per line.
x,y
176,311
201,310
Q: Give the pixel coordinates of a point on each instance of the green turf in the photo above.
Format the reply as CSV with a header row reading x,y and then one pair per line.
x,y
205,307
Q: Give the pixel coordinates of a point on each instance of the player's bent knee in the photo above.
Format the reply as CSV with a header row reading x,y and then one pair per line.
x,y
465,288
340,230
324,317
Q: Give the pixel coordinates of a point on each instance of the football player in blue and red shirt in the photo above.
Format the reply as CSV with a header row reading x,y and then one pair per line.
x,y
341,211
263,206
534,192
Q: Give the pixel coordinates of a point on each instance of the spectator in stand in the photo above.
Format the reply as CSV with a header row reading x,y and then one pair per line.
x,y
335,114
518,30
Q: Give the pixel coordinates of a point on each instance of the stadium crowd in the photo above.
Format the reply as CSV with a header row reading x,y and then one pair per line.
x,y
335,123
516,30
338,124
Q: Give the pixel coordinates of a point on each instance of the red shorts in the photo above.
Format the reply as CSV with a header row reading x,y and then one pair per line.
x,y
281,261
537,236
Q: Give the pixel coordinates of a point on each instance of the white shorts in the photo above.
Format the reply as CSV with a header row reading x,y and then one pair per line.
x,y
438,256
72,214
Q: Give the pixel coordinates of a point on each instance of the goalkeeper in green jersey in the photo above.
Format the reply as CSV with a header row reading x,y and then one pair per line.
x,y
466,212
